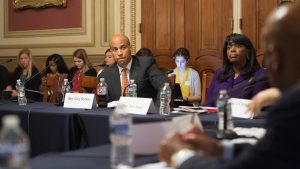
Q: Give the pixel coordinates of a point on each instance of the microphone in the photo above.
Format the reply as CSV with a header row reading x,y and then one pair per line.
x,y
100,65
7,61
252,84
124,92
40,72
170,71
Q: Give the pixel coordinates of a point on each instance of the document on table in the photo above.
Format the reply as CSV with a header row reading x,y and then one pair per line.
x,y
147,136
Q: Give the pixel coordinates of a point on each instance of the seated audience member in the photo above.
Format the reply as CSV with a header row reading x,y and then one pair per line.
x,y
279,147
4,78
82,67
144,52
187,77
55,68
241,74
108,60
28,74
143,70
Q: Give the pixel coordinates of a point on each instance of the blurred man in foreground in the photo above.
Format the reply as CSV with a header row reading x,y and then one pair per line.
x,y
280,147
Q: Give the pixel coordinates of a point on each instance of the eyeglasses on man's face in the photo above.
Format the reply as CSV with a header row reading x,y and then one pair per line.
x,y
121,48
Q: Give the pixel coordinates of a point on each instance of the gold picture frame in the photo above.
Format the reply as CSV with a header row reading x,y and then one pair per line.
x,y
20,4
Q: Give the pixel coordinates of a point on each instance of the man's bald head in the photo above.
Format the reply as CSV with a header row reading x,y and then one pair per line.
x,y
121,49
120,37
281,43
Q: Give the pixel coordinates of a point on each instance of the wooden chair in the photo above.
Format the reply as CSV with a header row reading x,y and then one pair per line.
x,y
90,83
51,90
206,79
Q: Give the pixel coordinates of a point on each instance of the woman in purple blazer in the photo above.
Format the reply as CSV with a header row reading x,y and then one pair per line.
x,y
241,75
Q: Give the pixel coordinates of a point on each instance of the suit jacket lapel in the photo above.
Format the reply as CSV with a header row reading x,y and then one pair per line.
x,y
133,73
116,78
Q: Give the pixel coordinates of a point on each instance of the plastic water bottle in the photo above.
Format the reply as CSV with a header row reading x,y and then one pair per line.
x,y
65,88
132,89
21,93
165,99
121,139
14,145
224,111
102,93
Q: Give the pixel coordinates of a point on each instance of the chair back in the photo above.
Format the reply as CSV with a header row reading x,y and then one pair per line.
x,y
91,83
206,79
51,91
88,82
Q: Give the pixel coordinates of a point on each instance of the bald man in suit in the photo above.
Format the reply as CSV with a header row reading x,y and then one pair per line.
x,y
142,69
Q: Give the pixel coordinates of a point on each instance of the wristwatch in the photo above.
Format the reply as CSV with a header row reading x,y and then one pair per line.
x,y
181,156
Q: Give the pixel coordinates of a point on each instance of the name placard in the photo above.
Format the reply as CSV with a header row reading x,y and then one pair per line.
x,y
239,108
136,105
80,100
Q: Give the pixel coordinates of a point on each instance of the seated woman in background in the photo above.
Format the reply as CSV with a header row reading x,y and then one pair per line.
x,y
108,60
188,78
57,69
241,75
29,75
82,67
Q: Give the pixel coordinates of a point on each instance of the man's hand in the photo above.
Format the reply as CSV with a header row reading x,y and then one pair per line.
x,y
193,139
201,142
262,99
170,145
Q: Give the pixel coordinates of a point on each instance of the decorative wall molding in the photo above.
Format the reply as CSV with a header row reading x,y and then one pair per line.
x,y
17,4
133,25
102,20
51,38
122,16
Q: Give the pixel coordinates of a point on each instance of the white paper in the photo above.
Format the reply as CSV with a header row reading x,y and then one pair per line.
x,y
112,104
147,136
80,100
136,105
158,165
239,108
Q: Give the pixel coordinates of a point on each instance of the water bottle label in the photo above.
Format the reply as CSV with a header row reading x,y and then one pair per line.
x,y
102,91
13,156
120,129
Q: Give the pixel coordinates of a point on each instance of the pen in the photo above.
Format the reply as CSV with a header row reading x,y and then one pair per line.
x,y
193,118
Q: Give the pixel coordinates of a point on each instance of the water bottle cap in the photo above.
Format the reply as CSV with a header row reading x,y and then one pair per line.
x,y
10,120
65,80
167,84
131,81
18,81
223,91
101,79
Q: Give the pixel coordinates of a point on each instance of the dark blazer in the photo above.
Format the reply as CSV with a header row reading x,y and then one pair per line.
x,y
148,77
33,83
279,148
240,87
4,78
89,72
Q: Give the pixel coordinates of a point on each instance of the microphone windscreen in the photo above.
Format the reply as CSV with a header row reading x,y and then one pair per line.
x,y
170,71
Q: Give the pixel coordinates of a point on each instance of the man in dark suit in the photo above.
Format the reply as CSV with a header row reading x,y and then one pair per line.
x,y
143,70
280,147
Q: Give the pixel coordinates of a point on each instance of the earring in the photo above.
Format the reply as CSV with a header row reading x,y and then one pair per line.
x,y
248,57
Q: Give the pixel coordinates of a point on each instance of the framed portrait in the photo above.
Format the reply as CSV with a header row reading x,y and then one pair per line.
x,y
20,4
